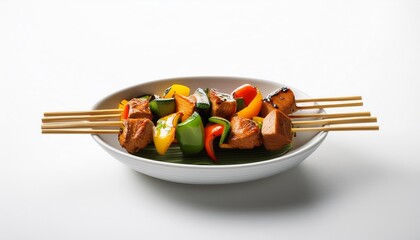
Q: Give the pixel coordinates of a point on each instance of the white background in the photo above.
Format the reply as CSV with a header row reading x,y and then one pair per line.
x,y
65,55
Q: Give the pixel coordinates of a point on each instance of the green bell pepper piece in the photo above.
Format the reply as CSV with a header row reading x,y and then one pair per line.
x,y
190,134
226,127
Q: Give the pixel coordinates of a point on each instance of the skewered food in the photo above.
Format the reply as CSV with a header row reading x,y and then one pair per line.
x,y
222,104
139,108
190,134
136,134
282,99
242,120
245,133
164,132
276,130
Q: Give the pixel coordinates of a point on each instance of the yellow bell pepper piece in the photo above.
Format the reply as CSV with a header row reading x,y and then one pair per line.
x,y
258,120
253,108
177,88
164,132
122,104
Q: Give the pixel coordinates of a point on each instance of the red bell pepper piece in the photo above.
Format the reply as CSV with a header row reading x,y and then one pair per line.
x,y
124,114
210,133
247,92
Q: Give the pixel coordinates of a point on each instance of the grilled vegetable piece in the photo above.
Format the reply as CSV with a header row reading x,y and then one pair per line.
x,y
212,131
244,134
161,107
164,132
122,104
184,105
222,104
176,88
258,120
139,108
202,102
226,127
136,134
253,108
282,99
276,130
190,134
246,91
126,110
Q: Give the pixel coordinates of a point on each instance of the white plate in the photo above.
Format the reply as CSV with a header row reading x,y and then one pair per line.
x,y
303,144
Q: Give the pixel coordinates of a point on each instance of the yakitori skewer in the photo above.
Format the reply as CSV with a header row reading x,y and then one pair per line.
x,y
115,131
68,117
102,114
81,124
86,127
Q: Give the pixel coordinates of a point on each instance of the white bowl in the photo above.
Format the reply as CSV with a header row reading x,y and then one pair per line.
x,y
302,146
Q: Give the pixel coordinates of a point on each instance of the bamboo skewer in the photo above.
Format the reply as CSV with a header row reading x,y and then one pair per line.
x,y
355,104
335,121
331,115
85,127
346,128
80,131
91,122
118,111
333,99
90,112
82,124
80,117
112,131
120,123
67,118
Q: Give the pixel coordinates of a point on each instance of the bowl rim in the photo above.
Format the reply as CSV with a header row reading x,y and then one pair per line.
x,y
317,139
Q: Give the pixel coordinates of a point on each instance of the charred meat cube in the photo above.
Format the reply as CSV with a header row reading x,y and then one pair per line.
x,y
276,130
136,134
222,104
282,99
244,134
139,108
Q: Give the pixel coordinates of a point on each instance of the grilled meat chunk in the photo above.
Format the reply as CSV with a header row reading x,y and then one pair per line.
x,y
276,130
136,134
139,108
282,99
244,134
222,104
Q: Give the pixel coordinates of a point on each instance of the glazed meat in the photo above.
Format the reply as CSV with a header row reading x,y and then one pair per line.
x,y
276,130
222,105
139,108
136,134
282,99
244,134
